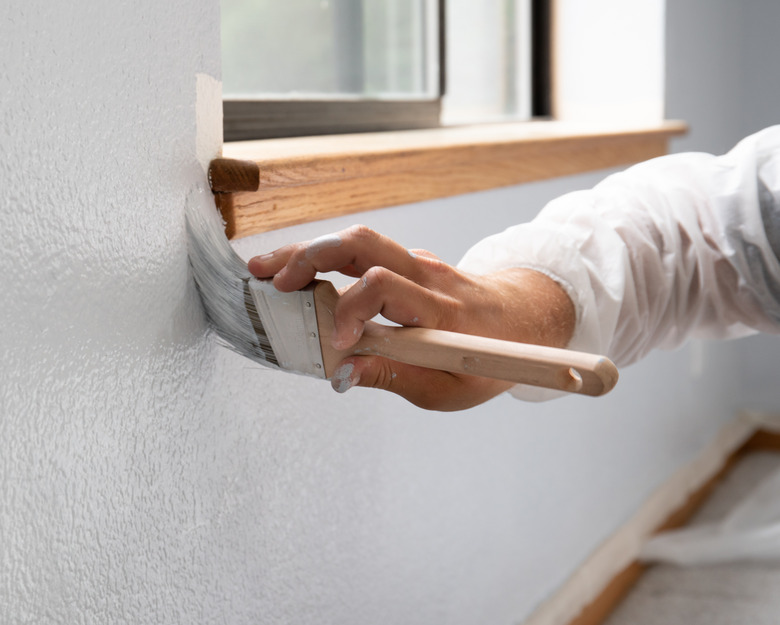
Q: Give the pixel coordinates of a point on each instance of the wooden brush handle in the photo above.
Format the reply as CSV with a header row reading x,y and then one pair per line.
x,y
537,365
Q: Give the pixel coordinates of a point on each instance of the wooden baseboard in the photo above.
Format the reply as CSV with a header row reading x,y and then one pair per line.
x,y
602,606
762,440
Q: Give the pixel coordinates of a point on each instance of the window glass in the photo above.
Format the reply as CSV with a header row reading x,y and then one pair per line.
x,y
310,49
488,60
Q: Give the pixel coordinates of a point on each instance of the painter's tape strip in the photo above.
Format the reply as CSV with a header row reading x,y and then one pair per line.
x,y
623,547
290,322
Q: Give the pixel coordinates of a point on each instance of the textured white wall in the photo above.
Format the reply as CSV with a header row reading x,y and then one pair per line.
x,y
149,476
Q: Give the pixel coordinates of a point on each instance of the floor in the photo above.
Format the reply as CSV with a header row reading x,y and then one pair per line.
x,y
722,594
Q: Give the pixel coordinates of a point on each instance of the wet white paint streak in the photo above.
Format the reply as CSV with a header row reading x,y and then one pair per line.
x,y
322,243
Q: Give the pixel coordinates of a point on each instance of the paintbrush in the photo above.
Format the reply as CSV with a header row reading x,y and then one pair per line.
x,y
292,331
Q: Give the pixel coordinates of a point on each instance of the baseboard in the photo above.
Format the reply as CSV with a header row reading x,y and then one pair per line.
x,y
594,590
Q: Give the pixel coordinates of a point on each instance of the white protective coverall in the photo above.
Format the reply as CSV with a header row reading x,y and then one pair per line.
x,y
679,246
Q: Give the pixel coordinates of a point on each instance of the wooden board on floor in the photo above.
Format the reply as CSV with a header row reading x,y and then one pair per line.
x,y
602,606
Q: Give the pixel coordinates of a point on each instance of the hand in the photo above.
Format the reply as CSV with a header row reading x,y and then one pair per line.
x,y
415,288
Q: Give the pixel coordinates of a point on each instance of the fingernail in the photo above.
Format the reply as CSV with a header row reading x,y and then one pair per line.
x,y
261,259
255,263
343,378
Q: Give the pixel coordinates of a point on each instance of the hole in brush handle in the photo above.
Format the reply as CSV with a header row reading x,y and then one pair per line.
x,y
572,380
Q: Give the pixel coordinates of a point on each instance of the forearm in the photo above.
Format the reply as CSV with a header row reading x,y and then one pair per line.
x,y
526,306
675,247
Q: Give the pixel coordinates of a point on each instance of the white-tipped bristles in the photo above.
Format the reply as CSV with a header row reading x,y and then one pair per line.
x,y
222,276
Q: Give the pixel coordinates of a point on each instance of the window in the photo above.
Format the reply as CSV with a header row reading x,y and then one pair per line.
x,y
341,63
307,67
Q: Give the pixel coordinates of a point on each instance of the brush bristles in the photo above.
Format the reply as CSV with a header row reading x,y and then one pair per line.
x,y
221,277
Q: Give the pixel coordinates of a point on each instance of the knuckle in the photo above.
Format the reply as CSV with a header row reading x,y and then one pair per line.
x,y
420,253
447,313
361,233
385,375
436,271
440,268
297,255
377,278
376,372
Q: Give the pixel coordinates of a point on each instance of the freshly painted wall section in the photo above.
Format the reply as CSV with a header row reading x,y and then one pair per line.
x,y
147,475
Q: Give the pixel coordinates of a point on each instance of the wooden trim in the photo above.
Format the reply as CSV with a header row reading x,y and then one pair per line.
x,y
763,440
312,178
602,606
227,175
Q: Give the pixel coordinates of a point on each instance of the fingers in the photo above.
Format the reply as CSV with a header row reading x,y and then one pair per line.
x,y
426,388
415,288
382,292
409,287
270,264
352,251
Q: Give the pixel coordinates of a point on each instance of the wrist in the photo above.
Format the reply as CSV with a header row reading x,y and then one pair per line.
x,y
530,307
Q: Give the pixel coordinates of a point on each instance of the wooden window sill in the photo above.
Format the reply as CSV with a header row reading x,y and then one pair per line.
x,y
283,182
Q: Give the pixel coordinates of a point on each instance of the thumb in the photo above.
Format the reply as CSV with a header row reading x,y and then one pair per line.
x,y
426,388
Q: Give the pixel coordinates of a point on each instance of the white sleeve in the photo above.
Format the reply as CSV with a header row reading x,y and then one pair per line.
x,y
682,245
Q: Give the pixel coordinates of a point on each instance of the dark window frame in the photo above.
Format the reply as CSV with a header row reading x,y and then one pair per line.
x,y
247,119
270,119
